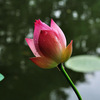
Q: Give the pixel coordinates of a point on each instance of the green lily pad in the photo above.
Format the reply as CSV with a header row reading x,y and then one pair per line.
x,y
84,63
1,77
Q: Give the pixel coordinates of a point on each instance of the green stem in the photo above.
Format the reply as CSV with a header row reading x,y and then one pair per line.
x,y
61,67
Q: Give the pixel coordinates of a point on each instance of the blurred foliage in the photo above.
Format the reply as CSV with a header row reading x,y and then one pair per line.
x,y
79,20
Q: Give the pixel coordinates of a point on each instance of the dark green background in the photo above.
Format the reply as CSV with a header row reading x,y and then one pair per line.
x,y
80,22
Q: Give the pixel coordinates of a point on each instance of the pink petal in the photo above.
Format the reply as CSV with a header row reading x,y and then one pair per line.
x,y
62,38
49,45
39,25
67,53
44,62
30,43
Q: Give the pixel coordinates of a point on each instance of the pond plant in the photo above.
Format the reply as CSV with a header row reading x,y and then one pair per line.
x,y
1,77
50,50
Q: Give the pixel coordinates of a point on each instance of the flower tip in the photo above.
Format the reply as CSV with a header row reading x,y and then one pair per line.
x,y
37,21
70,44
51,20
71,41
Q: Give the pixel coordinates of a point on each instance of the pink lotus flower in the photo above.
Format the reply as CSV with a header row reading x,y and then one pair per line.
x,y
49,45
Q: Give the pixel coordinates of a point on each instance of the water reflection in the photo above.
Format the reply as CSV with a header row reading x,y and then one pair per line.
x,y
80,21
58,95
86,89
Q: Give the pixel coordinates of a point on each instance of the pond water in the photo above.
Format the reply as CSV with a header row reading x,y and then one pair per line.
x,y
80,22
